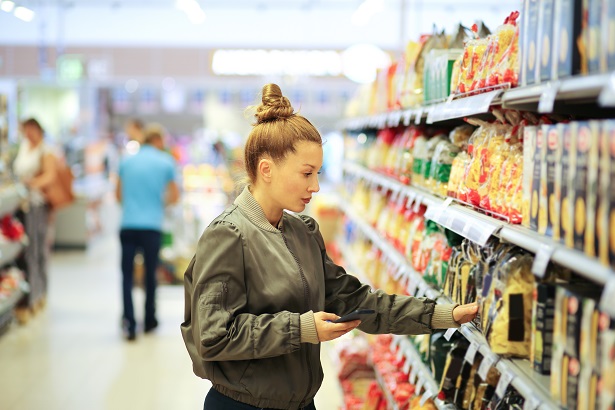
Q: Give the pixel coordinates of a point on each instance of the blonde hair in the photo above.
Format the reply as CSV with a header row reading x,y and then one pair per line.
x,y
276,131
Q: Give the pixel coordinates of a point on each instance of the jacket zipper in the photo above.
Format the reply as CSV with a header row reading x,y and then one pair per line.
x,y
306,296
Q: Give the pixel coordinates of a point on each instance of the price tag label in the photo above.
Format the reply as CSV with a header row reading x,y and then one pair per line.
x,y
486,365
419,116
449,334
471,353
398,273
503,383
402,198
411,287
413,375
420,383
547,98
428,395
607,300
541,260
408,117
395,194
407,366
607,96
421,290
417,204
531,403
400,353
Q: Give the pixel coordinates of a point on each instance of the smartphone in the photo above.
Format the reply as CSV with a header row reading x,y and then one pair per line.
x,y
356,315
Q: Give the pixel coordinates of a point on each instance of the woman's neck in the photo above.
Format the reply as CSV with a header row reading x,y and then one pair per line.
x,y
35,144
273,213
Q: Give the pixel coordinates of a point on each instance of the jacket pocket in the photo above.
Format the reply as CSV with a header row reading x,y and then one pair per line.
x,y
213,316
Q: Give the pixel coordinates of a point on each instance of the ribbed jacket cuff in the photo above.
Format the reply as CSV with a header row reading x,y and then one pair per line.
x,y
443,317
308,328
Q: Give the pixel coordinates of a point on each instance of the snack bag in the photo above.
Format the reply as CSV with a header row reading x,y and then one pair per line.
x,y
426,165
477,149
505,59
419,155
407,159
509,322
491,165
441,168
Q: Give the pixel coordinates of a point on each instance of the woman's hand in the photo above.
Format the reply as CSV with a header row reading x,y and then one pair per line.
x,y
465,313
327,330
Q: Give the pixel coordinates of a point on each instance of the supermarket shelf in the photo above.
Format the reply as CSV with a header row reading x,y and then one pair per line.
x,y
598,88
532,386
353,268
9,251
391,253
478,227
10,198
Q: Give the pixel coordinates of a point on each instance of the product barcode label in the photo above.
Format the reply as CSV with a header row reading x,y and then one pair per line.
x,y
486,365
503,383
471,353
449,333
531,403
428,395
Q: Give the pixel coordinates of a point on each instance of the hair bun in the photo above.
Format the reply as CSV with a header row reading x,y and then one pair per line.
x,y
274,105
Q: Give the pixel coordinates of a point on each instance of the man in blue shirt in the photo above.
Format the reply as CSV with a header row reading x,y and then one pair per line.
x,y
146,184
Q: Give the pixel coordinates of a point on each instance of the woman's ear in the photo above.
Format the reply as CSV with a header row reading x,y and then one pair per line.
x,y
265,167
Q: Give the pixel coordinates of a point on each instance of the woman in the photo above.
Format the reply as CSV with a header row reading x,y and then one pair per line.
x,y
261,291
35,167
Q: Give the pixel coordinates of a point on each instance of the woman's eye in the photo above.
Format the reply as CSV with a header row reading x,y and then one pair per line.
x,y
307,174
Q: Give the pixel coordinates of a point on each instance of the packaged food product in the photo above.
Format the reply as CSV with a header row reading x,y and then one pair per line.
x,y
529,150
392,156
594,36
491,169
456,184
584,192
543,199
608,187
565,180
606,397
545,35
439,257
419,155
477,149
444,155
554,145
542,327
504,64
428,160
452,370
531,61
536,179
509,318
608,33
565,54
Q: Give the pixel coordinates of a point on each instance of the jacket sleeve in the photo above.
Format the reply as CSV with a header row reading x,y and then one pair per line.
x,y
395,314
217,326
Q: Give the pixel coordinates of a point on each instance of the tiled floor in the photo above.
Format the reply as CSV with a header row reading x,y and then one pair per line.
x,y
72,355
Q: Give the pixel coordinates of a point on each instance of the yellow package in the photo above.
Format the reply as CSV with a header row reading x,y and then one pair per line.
x,y
566,182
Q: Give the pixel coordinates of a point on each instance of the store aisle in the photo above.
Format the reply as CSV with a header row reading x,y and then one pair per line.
x,y
72,355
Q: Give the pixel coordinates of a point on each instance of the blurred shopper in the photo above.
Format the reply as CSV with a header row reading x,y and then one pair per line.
x,y
35,167
146,184
261,291
135,130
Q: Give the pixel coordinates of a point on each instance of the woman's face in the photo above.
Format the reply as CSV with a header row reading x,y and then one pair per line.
x,y
32,133
295,178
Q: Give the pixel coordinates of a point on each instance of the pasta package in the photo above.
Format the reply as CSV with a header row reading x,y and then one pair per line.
x,y
608,186
591,245
565,180
428,160
529,149
553,194
477,149
513,192
543,200
543,314
491,165
510,313
606,395
442,165
536,179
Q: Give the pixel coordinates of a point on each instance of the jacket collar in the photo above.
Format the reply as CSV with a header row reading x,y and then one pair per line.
x,y
248,205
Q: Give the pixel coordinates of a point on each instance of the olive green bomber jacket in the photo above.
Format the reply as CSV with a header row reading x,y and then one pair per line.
x,y
250,293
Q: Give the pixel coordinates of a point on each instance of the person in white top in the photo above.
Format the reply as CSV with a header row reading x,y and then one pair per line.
x,y
34,165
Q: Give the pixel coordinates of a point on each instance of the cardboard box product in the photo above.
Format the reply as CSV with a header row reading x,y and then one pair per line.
x,y
574,315
586,138
529,148
543,199
594,36
593,176
566,56
608,176
606,395
543,326
523,24
565,180
536,179
554,150
587,390
559,343
545,36
572,372
608,34
604,178
530,56
589,334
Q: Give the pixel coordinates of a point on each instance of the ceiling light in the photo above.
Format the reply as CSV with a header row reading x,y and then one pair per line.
x,y
7,5
24,13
